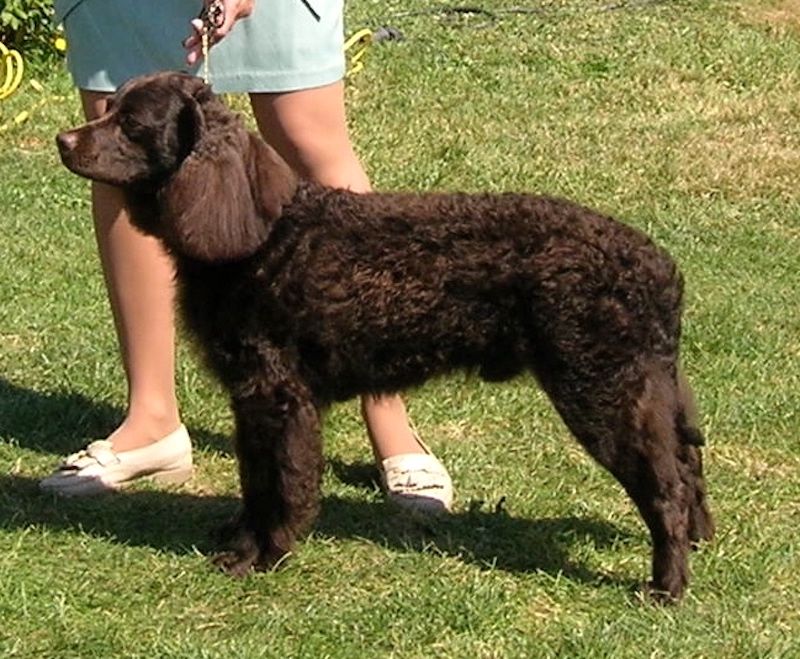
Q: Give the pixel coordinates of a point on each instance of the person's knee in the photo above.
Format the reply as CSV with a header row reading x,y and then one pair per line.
x,y
309,129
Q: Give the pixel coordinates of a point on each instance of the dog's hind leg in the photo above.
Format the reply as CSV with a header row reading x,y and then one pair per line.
x,y
635,438
278,446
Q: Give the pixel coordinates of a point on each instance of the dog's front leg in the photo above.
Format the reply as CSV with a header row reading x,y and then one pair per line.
x,y
278,445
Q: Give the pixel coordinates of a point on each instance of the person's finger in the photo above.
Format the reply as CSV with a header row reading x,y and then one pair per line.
x,y
195,38
193,43
242,9
197,26
194,55
190,42
227,24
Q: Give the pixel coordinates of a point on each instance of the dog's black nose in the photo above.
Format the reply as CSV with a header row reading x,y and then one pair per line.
x,y
66,141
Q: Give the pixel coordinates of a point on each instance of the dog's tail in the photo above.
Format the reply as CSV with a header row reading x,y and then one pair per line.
x,y
669,412
667,406
686,417
701,521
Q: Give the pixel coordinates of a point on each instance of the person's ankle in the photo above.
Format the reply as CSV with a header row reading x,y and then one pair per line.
x,y
388,427
387,445
137,433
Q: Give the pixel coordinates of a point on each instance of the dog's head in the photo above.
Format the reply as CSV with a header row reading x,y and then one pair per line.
x,y
151,124
167,136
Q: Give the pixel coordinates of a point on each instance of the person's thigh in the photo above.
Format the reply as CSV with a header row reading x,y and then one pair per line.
x,y
309,129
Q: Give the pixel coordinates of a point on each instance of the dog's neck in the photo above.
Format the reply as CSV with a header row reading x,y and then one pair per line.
x,y
143,207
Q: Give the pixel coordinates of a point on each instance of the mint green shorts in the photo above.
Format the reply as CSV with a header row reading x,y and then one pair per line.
x,y
280,47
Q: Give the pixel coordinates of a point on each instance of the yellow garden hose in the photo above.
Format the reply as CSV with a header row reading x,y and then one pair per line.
x,y
11,70
358,44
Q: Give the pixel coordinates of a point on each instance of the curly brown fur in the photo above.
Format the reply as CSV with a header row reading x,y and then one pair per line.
x,y
301,295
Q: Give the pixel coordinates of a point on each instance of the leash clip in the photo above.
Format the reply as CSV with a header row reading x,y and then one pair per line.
x,y
213,15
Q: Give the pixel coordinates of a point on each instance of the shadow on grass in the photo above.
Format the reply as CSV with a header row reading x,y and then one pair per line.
x,y
178,522
62,422
59,422
492,538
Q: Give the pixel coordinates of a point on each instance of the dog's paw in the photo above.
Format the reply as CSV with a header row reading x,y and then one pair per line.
x,y
239,550
237,564
242,552
234,563
660,595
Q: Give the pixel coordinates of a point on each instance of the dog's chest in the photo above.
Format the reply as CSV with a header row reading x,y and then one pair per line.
x,y
222,304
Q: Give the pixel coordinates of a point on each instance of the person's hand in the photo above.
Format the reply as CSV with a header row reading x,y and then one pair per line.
x,y
234,10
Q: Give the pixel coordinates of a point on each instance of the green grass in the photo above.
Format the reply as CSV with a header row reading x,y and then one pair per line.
x,y
678,117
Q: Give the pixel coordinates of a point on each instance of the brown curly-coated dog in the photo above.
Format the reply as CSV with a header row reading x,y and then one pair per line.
x,y
302,295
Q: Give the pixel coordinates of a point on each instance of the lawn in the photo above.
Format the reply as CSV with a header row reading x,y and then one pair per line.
x,y
679,117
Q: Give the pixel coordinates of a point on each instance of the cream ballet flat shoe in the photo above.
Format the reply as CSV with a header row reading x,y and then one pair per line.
x,y
417,481
98,468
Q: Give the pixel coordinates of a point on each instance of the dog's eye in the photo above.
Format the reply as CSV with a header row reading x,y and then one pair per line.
x,y
132,128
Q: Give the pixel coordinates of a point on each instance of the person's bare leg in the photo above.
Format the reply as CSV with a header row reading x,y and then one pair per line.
x,y
309,129
139,279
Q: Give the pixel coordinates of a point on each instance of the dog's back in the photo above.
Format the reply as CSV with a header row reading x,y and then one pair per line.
x,y
386,290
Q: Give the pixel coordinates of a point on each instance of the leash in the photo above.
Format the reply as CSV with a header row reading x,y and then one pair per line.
x,y
213,16
358,43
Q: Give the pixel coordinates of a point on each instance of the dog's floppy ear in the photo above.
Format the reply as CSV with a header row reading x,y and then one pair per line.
x,y
272,181
220,204
207,207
